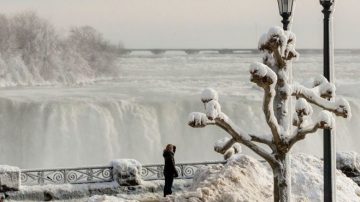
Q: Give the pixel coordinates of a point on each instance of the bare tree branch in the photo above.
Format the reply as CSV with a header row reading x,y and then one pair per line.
x,y
300,133
325,120
223,148
242,137
262,139
339,107
264,77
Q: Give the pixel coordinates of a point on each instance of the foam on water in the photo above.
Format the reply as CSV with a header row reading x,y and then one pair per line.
x,y
137,114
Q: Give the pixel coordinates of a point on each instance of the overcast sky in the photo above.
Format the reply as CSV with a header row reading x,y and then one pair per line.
x,y
194,23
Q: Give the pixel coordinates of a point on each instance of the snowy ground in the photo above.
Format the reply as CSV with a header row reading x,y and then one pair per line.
x,y
243,178
100,191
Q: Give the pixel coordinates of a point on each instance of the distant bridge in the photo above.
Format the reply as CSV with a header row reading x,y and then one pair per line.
x,y
191,51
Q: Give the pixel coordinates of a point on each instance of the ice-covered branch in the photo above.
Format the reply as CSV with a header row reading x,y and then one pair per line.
x,y
324,120
339,107
264,77
214,116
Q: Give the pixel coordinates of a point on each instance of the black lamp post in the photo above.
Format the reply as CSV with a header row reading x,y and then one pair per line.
x,y
329,141
285,9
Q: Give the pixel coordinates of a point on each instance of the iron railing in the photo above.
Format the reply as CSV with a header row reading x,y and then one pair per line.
x,y
66,175
185,170
103,174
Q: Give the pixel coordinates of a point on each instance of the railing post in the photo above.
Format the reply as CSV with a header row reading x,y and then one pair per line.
x,y
90,174
41,177
65,176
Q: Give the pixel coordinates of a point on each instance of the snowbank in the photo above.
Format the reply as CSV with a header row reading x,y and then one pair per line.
x,y
244,178
307,181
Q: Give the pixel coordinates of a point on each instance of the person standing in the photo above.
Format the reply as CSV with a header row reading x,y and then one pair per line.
x,y
170,171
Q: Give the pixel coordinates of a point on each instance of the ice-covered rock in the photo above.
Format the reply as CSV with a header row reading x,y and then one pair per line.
x,y
126,172
9,178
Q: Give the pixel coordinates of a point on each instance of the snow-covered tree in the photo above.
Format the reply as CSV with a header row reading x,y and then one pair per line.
x,y
272,75
33,53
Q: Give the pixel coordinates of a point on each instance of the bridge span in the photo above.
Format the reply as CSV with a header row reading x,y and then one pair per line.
x,y
189,51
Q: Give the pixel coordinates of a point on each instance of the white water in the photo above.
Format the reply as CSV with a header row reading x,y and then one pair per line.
x,y
137,114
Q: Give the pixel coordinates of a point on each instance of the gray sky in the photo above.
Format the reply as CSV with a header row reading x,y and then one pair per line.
x,y
194,23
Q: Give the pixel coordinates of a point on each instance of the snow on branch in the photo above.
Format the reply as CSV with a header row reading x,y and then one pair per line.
x,y
323,88
325,120
262,75
302,111
198,120
209,94
303,108
340,107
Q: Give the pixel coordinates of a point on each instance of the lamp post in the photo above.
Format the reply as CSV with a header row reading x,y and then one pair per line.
x,y
329,140
285,9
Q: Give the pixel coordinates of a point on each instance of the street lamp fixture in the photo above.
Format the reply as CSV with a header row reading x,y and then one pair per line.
x,y
329,139
285,9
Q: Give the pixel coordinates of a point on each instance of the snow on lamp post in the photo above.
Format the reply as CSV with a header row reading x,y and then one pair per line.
x,y
329,139
285,9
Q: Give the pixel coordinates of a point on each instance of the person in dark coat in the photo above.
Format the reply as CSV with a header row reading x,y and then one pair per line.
x,y
169,169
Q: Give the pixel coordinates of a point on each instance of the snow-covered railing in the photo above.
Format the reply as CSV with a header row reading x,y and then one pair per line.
x,y
185,170
67,175
103,174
